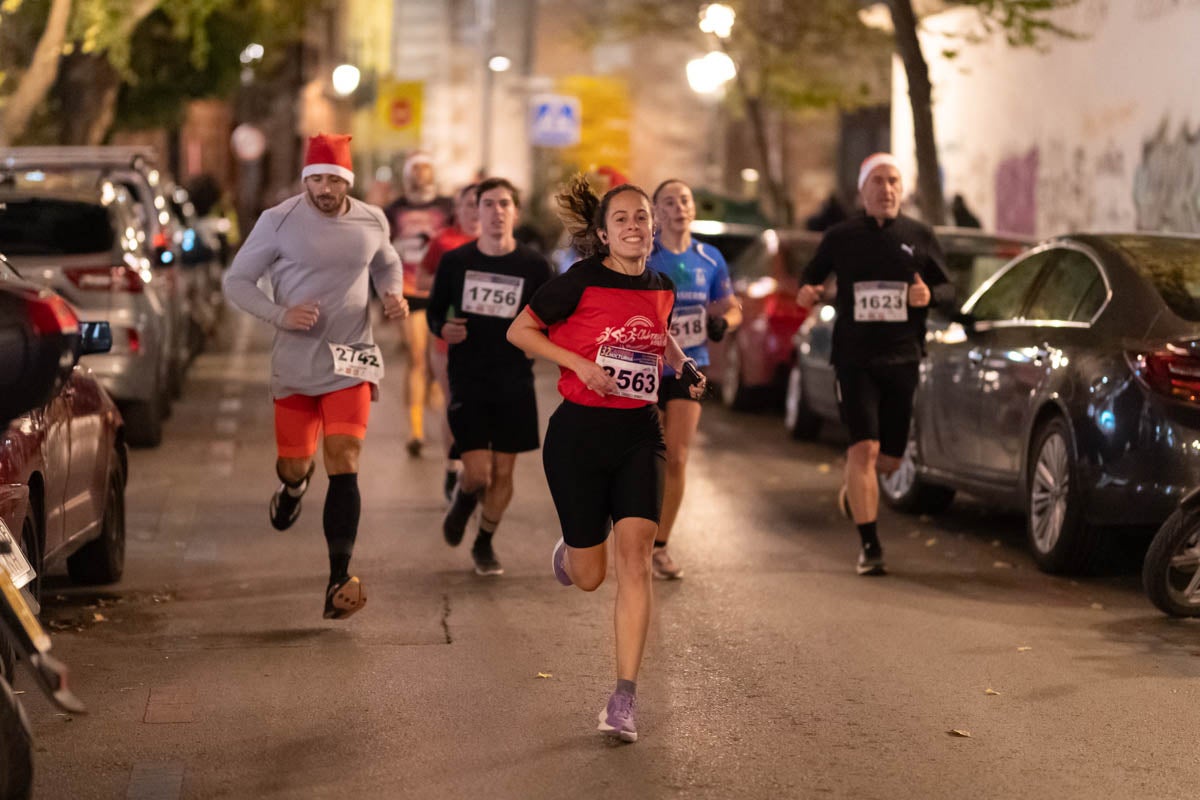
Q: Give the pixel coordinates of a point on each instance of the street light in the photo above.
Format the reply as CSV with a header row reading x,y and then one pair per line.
x,y
345,79
708,75
500,63
717,19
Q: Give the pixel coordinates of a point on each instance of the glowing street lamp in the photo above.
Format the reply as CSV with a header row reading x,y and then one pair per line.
x,y
717,19
708,75
345,79
499,63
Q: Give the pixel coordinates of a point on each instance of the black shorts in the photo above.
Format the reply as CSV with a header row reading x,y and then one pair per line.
x,y
417,303
876,403
504,421
674,388
603,464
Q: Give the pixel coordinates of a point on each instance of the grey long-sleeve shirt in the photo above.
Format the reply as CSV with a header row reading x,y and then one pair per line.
x,y
309,257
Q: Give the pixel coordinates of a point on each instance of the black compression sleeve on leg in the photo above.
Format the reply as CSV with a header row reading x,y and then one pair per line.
x,y
342,508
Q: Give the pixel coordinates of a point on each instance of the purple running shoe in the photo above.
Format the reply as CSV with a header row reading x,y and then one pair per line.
x,y
556,561
617,717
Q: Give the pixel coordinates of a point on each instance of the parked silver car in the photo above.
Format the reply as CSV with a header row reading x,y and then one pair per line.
x,y
135,168
90,247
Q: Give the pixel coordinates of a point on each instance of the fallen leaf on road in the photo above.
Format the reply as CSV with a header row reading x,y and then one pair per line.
x,y
1098,606
545,675
1001,565
824,469
1024,649
98,617
931,541
991,692
959,732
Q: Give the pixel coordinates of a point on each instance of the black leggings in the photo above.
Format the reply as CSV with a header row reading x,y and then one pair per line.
x,y
603,464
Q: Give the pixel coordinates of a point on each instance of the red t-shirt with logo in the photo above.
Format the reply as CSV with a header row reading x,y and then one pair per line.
x,y
590,306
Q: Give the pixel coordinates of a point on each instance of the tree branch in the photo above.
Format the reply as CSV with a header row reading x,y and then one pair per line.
x,y
35,83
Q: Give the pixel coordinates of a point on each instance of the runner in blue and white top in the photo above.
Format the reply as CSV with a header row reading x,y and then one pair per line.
x,y
705,309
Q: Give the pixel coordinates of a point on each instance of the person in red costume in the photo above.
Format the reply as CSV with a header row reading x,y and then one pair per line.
x,y
465,228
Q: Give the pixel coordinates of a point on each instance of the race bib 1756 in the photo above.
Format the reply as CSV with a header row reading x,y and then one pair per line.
x,y
492,295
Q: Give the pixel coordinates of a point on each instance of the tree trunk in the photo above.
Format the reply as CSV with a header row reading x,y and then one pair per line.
x,y
758,124
920,95
35,83
88,86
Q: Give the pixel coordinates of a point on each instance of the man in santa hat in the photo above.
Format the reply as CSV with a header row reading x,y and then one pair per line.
x,y
888,269
321,250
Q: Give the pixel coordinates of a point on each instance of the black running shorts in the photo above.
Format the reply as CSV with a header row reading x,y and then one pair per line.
x,y
505,421
603,464
876,403
674,388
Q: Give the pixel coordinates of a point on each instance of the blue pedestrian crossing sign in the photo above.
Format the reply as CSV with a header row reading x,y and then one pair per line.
x,y
554,120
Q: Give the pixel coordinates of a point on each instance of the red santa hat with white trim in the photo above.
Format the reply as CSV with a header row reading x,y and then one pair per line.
x,y
329,154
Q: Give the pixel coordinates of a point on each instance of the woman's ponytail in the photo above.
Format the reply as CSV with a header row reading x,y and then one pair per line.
x,y
577,208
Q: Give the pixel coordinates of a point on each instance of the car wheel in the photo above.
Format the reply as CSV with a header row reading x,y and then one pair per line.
x,y
144,419
734,392
102,560
1058,536
904,490
31,548
1171,571
16,747
800,420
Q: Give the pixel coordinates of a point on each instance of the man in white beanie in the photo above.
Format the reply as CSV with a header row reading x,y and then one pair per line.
x,y
416,218
320,250
888,268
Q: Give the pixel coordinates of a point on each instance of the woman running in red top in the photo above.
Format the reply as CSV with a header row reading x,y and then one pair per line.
x,y
606,323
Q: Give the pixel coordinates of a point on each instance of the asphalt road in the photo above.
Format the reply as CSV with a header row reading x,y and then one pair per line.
x,y
773,671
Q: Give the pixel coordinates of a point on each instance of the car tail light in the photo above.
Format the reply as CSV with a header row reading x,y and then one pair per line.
x,y
134,340
1169,372
50,315
107,279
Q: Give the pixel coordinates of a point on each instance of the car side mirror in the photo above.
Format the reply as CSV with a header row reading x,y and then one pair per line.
x,y
95,337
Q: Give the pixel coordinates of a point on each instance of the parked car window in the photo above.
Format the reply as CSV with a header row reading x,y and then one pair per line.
x,y
751,264
1068,290
1006,298
50,227
797,253
968,271
1171,265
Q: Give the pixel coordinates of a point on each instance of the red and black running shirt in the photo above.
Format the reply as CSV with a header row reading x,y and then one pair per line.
x,y
590,305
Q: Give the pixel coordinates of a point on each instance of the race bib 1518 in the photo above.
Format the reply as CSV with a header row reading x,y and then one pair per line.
x,y
687,325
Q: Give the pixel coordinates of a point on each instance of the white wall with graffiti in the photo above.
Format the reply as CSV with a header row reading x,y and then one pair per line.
x,y
1099,132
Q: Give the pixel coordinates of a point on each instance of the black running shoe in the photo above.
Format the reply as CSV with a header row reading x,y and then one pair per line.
x,y
870,561
485,560
284,508
451,482
454,524
344,598
414,447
